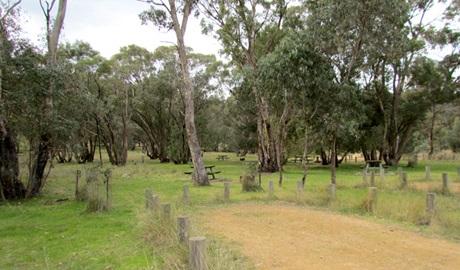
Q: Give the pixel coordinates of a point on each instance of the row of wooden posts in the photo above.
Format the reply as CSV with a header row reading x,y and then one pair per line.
x,y
197,245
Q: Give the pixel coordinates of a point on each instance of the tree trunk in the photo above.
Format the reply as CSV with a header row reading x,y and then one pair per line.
x,y
37,176
431,151
10,186
199,174
281,134
270,155
37,172
304,156
334,157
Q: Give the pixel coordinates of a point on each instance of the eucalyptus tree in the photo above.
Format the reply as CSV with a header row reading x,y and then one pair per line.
x,y
166,14
42,146
119,94
375,43
295,75
86,69
10,185
249,30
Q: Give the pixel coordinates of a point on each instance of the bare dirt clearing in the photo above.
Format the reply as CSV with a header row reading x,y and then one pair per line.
x,y
289,237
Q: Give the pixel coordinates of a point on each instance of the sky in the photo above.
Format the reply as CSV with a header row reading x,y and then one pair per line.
x,y
109,25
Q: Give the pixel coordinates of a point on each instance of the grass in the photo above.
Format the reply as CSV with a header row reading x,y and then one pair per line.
x,y
51,232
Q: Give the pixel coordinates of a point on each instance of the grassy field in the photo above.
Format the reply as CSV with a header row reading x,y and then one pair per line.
x,y
56,232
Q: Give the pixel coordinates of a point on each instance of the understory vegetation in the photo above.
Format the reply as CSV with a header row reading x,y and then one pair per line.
x,y
55,231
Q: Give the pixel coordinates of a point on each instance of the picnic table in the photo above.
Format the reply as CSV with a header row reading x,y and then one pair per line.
x,y
300,158
222,157
374,165
209,171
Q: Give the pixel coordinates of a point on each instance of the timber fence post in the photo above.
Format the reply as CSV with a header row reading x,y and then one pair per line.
x,y
227,192
183,228
149,199
445,182
427,173
270,189
186,194
372,199
197,249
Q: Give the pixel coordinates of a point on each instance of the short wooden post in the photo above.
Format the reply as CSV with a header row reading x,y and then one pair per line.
x,y
445,182
331,191
197,249
382,174
186,194
77,192
166,213
372,179
299,189
270,189
458,174
183,228
372,199
226,192
142,159
427,173
156,202
149,199
364,176
431,203
400,171
404,179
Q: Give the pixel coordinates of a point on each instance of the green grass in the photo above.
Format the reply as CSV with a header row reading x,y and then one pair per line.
x,y
45,234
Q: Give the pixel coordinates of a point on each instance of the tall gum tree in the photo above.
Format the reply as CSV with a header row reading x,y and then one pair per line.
x,y
10,185
374,42
43,150
166,14
248,30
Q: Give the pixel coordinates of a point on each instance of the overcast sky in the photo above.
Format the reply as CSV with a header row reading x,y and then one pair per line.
x,y
109,25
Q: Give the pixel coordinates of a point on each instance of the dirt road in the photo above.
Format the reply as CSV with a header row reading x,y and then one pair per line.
x,y
290,237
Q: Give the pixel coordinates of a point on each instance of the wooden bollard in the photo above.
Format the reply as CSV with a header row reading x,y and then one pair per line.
x,y
186,194
372,179
299,189
270,189
445,182
226,192
372,198
183,228
156,202
142,159
404,179
331,191
197,249
458,174
166,210
77,192
382,174
431,203
149,199
364,176
427,173
400,173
